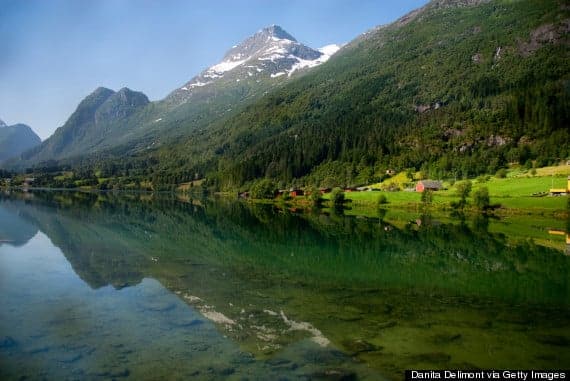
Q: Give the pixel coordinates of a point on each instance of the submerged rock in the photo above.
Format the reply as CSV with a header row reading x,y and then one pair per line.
x,y
186,323
334,375
7,342
221,370
349,319
387,324
200,347
355,347
277,362
114,373
432,357
158,306
38,350
330,357
71,358
244,358
559,341
446,338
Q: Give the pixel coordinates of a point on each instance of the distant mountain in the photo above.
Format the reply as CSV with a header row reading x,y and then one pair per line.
x,y
14,229
16,139
99,115
117,124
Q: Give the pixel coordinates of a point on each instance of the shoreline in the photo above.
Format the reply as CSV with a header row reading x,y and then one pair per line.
x,y
358,207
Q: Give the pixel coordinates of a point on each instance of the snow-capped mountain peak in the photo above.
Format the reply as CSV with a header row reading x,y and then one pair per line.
x,y
2,124
269,53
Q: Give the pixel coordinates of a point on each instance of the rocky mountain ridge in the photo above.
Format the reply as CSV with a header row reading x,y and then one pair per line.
x,y
98,115
269,53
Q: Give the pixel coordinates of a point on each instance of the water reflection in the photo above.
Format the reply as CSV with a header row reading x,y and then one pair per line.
x,y
394,292
14,230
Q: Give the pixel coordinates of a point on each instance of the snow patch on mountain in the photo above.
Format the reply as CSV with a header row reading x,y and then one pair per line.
x,y
224,66
304,64
327,52
195,84
271,52
272,57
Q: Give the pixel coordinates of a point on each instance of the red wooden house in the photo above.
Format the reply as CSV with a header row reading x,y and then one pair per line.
x,y
428,185
296,192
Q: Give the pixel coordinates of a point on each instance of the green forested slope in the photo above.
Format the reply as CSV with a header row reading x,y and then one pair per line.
x,y
451,89
456,88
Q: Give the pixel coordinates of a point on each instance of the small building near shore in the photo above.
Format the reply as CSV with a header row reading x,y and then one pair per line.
x,y
432,185
28,181
294,192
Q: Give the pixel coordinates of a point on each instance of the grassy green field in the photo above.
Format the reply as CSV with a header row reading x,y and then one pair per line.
x,y
522,186
514,193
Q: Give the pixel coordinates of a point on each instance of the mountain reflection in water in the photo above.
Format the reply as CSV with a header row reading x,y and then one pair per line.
x,y
303,295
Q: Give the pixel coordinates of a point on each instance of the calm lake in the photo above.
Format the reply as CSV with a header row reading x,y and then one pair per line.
x,y
139,287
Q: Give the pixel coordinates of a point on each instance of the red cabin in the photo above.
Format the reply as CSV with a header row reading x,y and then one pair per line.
x,y
428,185
296,192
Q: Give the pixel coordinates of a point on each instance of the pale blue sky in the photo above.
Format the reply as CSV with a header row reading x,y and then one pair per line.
x,y
53,53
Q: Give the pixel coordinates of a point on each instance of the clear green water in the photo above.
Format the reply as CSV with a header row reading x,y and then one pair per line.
x,y
99,287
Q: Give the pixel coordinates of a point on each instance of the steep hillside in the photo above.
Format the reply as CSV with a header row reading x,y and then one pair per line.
x,y
16,139
253,68
97,116
454,88
117,124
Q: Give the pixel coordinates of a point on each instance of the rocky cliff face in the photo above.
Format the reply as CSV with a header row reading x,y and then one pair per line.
x,y
97,116
120,105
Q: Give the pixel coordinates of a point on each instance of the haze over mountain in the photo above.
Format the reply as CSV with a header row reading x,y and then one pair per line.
x,y
16,139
